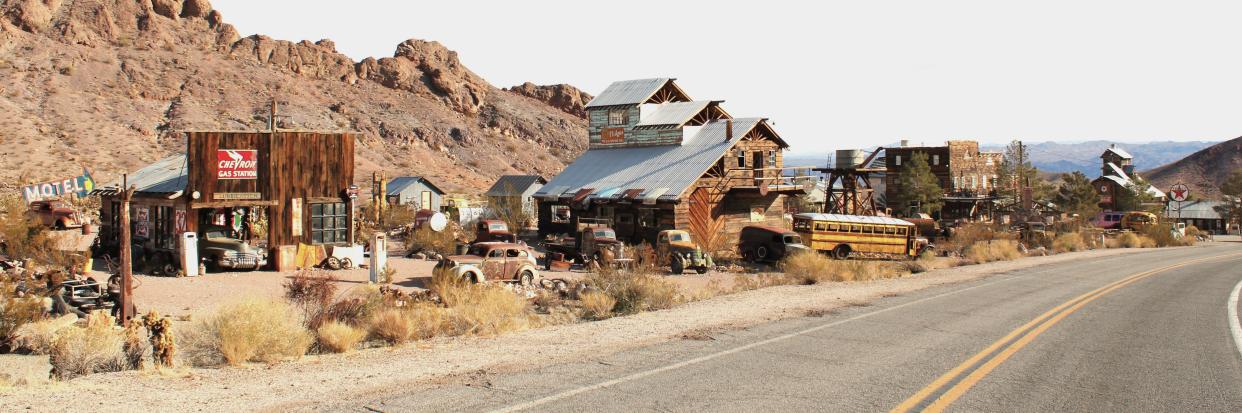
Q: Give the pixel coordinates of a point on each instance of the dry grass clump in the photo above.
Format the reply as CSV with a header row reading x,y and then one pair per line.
x,y
253,330
813,268
312,292
754,282
392,326
634,291
37,337
990,251
597,305
1069,242
1162,236
1126,240
16,311
338,337
486,310
97,348
968,235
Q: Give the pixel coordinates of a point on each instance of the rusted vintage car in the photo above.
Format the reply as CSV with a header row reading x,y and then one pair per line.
x,y
594,243
222,252
55,214
761,243
493,230
493,261
675,249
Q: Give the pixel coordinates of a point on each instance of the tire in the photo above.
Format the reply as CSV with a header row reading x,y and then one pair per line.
x,y
526,279
347,264
701,270
470,278
332,263
748,256
169,268
841,252
677,265
762,253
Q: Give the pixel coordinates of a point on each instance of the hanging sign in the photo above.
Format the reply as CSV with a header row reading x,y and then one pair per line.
x,y
237,164
78,185
179,223
142,222
295,217
1179,192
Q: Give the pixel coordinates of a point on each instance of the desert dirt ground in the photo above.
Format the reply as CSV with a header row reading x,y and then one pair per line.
x,y
323,380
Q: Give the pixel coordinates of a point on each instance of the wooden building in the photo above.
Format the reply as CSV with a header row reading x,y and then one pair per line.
x,y
516,190
967,176
415,191
1118,179
270,188
659,160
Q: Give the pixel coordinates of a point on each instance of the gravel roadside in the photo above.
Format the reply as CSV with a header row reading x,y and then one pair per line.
x,y
325,379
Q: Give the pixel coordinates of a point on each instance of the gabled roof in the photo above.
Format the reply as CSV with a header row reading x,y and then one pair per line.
x,y
514,185
165,176
661,172
399,184
635,92
1120,152
1117,171
671,113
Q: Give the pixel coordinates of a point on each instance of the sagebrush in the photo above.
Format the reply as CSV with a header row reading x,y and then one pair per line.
x,y
253,330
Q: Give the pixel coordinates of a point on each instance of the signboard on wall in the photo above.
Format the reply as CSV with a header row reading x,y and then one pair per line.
x,y
757,214
142,222
179,224
237,164
78,185
612,135
295,217
233,196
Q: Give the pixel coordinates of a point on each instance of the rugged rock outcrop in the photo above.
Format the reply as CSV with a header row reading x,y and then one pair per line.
x,y
1202,171
564,97
110,84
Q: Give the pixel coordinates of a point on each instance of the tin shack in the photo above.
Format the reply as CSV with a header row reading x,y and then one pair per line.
x,y
268,189
658,159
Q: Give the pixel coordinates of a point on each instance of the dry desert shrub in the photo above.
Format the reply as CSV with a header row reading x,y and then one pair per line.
x,y
968,235
1126,240
392,326
634,291
486,310
1162,236
312,292
429,320
253,330
448,286
99,347
813,268
990,251
597,305
37,337
338,337
1069,242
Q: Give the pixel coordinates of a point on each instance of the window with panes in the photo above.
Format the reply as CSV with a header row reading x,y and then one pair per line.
x,y
329,223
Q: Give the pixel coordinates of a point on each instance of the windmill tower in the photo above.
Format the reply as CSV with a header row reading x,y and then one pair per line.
x,y
849,188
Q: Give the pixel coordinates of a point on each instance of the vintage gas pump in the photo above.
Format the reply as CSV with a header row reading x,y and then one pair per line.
x,y
379,256
189,254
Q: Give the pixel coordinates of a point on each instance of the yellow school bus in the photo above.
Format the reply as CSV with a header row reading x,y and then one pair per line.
x,y
845,235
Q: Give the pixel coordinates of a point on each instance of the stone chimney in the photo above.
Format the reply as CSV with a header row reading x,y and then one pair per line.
x,y
729,129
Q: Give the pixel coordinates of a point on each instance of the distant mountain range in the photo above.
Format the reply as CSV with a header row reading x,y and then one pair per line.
x,y
1056,157
1204,171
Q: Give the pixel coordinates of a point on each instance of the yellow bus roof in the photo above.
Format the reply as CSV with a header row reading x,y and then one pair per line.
x,y
855,219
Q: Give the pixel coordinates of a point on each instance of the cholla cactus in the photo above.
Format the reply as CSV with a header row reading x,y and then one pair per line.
x,y
163,347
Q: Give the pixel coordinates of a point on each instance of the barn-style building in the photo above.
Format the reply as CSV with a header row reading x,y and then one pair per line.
x,y
659,160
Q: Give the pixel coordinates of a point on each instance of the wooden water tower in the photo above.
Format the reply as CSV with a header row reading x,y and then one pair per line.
x,y
852,173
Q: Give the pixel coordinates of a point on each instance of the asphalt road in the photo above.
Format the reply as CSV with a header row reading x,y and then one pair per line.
x,y
1140,332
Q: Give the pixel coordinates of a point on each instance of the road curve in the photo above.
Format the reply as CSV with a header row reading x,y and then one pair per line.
x,y
1139,332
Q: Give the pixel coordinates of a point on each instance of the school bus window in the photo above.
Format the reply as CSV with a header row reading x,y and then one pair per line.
x,y
832,226
890,230
901,231
820,226
857,229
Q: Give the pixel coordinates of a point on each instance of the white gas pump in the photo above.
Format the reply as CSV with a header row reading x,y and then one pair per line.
x,y
379,256
189,254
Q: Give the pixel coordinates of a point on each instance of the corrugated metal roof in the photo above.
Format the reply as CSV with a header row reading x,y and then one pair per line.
x,y
165,176
1194,210
628,92
399,184
672,113
514,185
675,167
856,219
1120,152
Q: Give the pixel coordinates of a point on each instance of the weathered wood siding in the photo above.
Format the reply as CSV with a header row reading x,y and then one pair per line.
x,y
315,167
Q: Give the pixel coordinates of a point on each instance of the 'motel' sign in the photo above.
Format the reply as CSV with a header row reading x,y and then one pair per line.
x,y
237,164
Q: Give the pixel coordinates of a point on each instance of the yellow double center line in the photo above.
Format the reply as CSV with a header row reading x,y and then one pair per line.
x,y
1024,335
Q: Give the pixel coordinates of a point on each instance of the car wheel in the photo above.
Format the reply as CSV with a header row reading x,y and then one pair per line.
x,y
701,270
841,252
169,268
762,252
677,265
527,279
347,263
332,263
470,278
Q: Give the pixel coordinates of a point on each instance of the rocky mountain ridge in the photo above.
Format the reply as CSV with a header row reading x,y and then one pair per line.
x,y
110,84
1203,171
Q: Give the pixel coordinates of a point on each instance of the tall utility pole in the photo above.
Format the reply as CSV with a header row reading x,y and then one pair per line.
x,y
127,270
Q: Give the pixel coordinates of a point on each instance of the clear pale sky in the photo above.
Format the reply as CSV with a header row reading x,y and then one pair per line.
x,y
837,74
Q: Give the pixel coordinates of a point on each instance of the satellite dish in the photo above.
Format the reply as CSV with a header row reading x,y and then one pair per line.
x,y
438,222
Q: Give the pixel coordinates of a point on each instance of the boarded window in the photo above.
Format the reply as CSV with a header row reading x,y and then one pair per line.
x,y
618,117
560,214
329,223
898,160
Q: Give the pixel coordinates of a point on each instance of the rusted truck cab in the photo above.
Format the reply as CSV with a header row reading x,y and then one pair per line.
x,y
675,249
54,214
493,230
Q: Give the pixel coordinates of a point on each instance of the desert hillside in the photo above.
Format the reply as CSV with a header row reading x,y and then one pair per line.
x,y
110,84
1203,171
